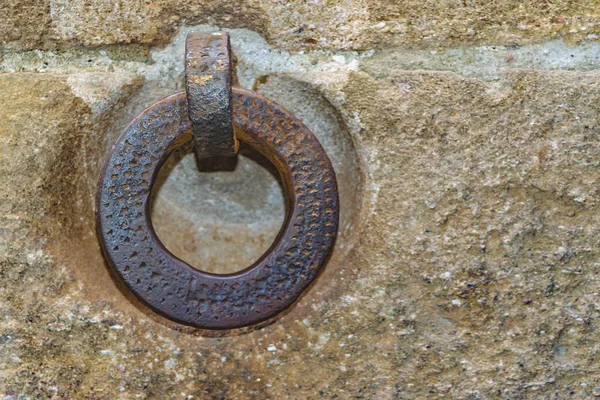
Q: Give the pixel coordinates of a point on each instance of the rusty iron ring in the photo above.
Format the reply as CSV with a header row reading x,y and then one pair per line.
x,y
208,88
171,287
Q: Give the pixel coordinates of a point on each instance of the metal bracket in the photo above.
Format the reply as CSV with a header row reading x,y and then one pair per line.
x,y
208,88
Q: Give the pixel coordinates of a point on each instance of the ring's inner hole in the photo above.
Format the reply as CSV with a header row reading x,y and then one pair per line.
x,y
220,220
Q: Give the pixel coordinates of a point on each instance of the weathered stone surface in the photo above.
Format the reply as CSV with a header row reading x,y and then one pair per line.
x,y
486,228
328,24
441,23
466,265
144,22
474,274
42,129
25,23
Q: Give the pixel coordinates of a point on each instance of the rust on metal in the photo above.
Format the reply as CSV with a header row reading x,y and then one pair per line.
x,y
171,287
208,87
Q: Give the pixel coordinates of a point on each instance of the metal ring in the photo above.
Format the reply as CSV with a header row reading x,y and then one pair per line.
x,y
171,287
208,87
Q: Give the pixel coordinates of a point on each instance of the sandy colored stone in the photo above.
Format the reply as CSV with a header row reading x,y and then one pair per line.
x,y
474,276
361,24
467,263
324,24
144,21
453,23
485,230
42,129
25,23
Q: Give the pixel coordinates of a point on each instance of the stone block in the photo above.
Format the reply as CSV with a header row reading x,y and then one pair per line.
x,y
471,267
327,24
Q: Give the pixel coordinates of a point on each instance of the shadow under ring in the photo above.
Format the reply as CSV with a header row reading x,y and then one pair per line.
x,y
180,292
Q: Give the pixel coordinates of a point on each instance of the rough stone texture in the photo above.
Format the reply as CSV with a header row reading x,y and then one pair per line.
x,y
475,275
486,226
25,23
492,22
466,266
327,24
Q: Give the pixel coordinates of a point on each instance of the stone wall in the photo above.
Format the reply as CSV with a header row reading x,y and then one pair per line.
x,y
466,140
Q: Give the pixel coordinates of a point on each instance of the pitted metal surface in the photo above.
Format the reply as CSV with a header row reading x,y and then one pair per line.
x,y
185,294
208,87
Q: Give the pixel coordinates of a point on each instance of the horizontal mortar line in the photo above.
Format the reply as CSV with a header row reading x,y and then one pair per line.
x,y
487,62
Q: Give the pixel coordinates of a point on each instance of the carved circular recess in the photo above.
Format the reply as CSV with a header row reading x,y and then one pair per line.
x,y
180,292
